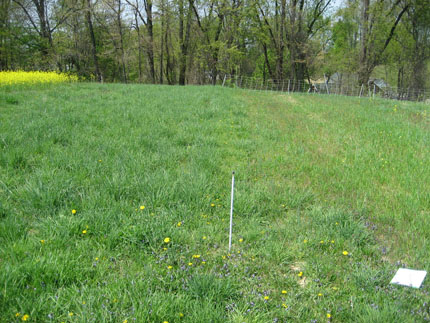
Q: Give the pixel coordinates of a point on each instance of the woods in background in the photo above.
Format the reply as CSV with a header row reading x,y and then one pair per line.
x,y
199,41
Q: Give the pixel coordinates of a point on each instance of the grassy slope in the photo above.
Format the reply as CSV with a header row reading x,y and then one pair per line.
x,y
316,175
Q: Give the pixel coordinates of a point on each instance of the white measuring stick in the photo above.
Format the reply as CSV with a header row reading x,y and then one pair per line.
x,y
231,212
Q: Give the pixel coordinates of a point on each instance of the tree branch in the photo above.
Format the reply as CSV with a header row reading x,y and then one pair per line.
x,y
393,28
272,36
28,16
69,12
317,14
137,10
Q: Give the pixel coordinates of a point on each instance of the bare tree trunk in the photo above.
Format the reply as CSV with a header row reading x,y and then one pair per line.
x,y
150,45
266,61
121,41
281,43
45,32
93,40
4,26
169,63
184,41
215,51
162,40
292,37
418,71
363,72
139,47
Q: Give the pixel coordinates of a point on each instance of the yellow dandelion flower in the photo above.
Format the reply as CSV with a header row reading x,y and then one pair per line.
x,y
322,241
204,237
73,211
266,298
166,240
181,314
17,314
164,248
83,303
284,292
97,258
328,315
223,257
305,241
42,241
179,224
125,321
212,204
25,317
190,264
319,294
345,253
284,305
84,231
169,267
241,240
142,207
70,314
196,256
300,274
203,262
165,322
332,241
100,160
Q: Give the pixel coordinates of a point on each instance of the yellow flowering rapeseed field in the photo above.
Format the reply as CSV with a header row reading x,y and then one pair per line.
x,y
21,77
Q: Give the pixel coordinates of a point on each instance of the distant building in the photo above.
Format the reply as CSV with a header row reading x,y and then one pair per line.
x,y
345,83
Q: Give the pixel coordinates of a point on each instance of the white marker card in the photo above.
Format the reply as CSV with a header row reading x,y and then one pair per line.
x,y
409,277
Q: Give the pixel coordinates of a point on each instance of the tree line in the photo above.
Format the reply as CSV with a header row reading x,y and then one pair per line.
x,y
199,41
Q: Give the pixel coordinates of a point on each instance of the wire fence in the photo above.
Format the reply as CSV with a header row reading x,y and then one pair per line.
x,y
371,90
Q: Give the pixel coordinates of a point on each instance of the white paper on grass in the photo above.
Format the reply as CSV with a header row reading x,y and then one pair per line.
x,y
409,277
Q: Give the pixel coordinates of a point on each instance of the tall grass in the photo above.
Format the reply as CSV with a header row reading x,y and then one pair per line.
x,y
331,198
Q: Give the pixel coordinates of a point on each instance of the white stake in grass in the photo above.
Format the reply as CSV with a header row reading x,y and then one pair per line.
x,y
231,212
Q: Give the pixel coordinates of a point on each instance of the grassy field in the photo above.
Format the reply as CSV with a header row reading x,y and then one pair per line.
x,y
332,196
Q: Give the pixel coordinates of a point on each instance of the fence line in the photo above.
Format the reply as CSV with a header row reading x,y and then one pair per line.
x,y
371,90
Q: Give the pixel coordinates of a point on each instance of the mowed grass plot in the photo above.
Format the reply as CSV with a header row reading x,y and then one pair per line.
x,y
332,196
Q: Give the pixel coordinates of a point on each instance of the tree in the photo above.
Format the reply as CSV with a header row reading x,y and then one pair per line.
x,y
89,21
147,20
211,26
184,37
46,16
379,21
290,26
418,22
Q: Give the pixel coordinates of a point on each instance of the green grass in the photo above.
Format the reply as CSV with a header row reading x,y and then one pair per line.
x,y
315,176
